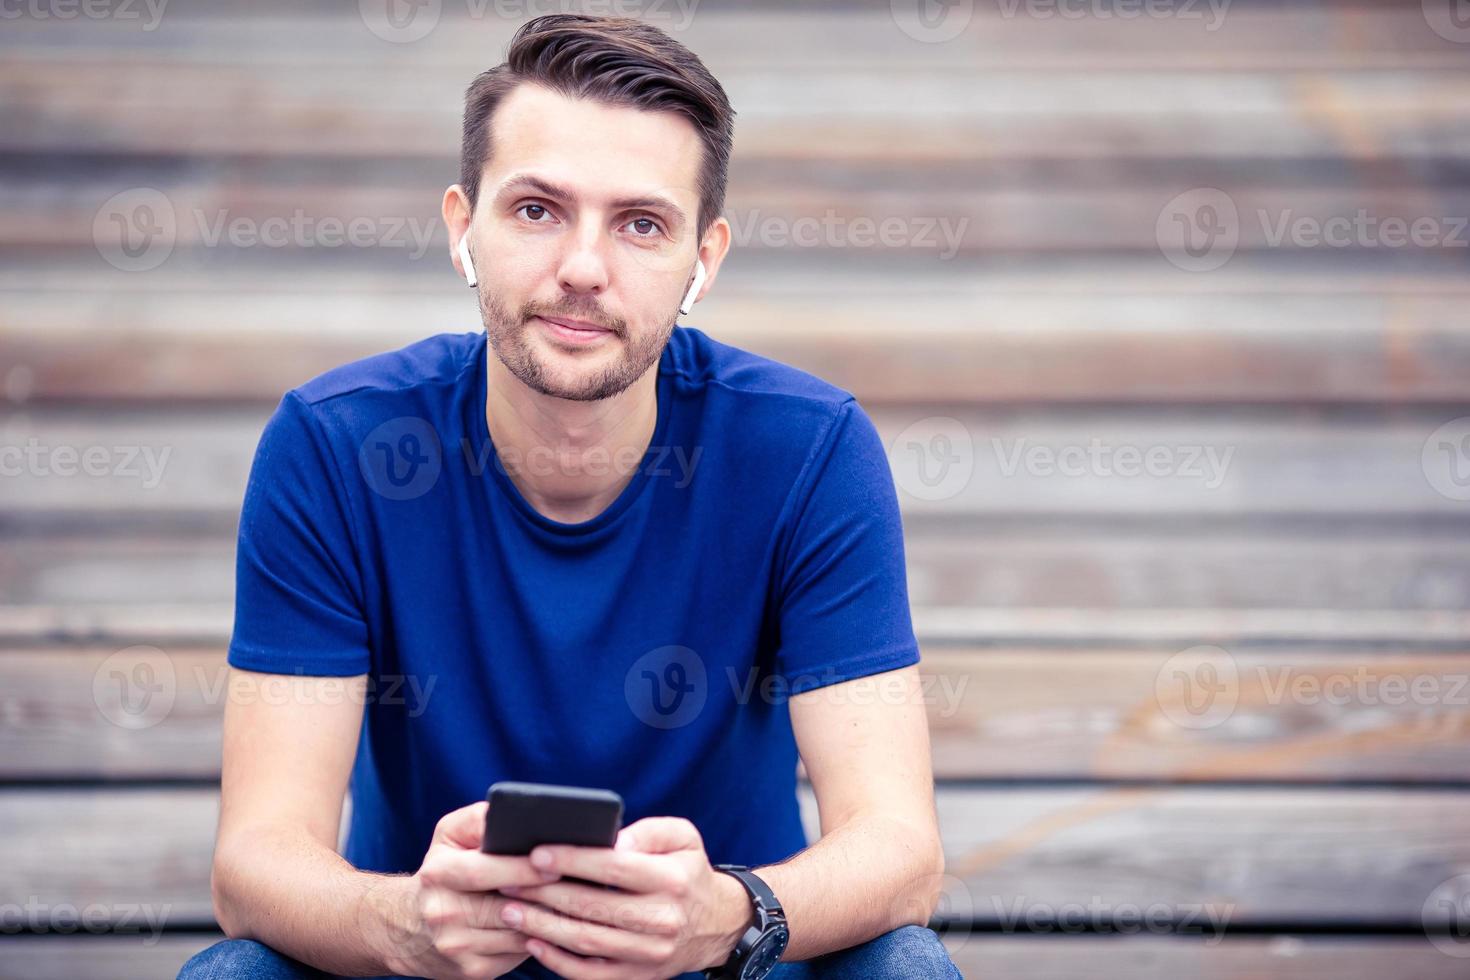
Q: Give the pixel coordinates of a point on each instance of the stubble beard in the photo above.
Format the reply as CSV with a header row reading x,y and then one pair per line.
x,y
509,337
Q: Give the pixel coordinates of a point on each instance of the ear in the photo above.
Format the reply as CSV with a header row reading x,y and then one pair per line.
x,y
464,259
713,248
694,287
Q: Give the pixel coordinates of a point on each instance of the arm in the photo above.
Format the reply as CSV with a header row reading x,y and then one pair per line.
x,y
879,863
864,741
292,718
277,876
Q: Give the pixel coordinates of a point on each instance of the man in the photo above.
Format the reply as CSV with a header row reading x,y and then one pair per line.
x,y
586,547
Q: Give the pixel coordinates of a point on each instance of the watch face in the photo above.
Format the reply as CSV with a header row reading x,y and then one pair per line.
x,y
765,955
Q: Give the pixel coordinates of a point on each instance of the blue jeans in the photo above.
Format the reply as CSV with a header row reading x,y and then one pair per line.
x,y
909,953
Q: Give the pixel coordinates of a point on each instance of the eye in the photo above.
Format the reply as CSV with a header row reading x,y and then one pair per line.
x,y
644,227
534,212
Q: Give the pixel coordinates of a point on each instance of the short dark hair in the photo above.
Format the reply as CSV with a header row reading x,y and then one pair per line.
x,y
618,61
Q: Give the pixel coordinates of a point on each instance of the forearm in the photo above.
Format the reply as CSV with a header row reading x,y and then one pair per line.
x,y
282,887
866,877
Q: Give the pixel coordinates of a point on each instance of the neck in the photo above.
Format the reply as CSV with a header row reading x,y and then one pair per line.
x,y
569,459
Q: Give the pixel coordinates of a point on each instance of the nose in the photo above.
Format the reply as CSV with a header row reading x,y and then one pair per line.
x,y
583,267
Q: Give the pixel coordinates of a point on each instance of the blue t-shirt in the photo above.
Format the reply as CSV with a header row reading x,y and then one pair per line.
x,y
757,552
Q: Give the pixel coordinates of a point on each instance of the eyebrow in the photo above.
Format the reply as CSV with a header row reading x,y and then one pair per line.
x,y
652,203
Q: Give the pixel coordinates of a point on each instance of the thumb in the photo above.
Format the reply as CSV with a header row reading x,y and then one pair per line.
x,y
660,835
464,827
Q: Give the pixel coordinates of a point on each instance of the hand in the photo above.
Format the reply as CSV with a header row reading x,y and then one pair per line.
x,y
671,911
445,922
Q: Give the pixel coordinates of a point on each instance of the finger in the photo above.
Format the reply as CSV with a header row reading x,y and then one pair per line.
x,y
474,910
464,827
626,869
660,835
633,912
585,938
459,940
571,966
471,871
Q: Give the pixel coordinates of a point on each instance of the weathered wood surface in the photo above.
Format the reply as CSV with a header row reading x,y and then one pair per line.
x,y
1163,87
949,461
1033,563
117,852
80,955
145,712
114,713
1221,858
1355,34
210,325
206,623
951,212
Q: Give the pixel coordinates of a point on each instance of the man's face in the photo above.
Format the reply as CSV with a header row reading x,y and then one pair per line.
x,y
586,212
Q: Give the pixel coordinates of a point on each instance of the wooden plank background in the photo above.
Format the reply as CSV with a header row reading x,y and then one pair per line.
x,y
1206,859
1298,717
1316,807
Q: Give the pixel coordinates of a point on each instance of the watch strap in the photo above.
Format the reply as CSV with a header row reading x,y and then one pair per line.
x,y
768,912
758,889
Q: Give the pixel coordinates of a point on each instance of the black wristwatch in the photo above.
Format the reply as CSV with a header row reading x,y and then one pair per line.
x,y
761,946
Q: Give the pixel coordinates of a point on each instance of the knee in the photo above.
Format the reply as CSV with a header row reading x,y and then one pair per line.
x,y
237,959
906,953
912,951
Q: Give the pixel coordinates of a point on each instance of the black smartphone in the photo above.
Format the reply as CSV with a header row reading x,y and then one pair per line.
x,y
523,815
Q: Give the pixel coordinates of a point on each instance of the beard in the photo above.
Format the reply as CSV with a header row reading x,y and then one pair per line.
x,y
509,336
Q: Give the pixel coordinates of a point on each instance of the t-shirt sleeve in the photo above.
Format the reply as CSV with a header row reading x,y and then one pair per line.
x,y
298,591
844,596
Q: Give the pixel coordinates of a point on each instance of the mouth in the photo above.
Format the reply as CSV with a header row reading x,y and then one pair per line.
x,y
573,331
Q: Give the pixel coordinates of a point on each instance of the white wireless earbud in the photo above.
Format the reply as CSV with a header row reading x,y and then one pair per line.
x,y
464,259
688,303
